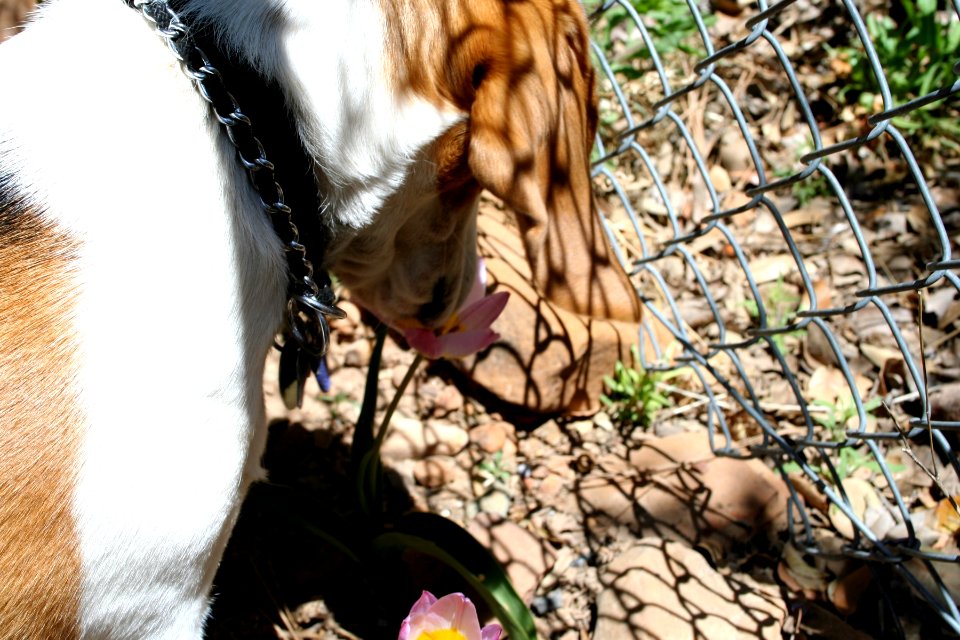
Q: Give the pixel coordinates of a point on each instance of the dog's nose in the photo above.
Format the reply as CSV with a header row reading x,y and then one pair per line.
x,y
435,311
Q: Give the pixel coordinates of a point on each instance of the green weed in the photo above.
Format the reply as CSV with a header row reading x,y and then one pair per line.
x,y
634,397
492,471
917,57
835,422
671,26
781,306
813,186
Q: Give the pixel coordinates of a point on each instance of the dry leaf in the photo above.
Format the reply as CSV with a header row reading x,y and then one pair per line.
x,y
771,268
879,356
720,178
944,305
862,496
947,517
845,592
806,576
808,216
827,384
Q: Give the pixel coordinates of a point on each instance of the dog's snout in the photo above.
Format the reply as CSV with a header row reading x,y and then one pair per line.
x,y
436,309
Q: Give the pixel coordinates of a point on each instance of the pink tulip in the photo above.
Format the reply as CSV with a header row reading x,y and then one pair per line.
x,y
468,331
452,617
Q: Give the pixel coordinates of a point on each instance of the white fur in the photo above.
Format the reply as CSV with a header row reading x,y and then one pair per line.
x,y
180,279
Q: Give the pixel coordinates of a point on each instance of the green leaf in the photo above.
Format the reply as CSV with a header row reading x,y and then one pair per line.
x,y
926,7
296,507
790,467
953,37
361,453
446,541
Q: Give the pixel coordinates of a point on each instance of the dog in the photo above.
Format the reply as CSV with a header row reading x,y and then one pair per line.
x,y
141,285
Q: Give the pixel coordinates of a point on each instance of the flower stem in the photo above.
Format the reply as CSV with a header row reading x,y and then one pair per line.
x,y
363,433
382,433
366,450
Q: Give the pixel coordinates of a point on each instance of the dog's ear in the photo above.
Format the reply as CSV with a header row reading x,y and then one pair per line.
x,y
532,121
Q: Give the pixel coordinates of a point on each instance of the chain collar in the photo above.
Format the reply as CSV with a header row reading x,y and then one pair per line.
x,y
309,303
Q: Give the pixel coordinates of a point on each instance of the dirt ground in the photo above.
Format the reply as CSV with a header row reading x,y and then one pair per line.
x,y
607,532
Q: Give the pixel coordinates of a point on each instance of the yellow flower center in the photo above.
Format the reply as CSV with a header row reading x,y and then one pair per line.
x,y
451,325
441,634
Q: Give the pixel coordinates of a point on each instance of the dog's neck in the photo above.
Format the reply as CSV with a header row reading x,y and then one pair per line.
x,y
360,132
261,99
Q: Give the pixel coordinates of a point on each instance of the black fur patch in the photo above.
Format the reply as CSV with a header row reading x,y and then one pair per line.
x,y
12,210
264,103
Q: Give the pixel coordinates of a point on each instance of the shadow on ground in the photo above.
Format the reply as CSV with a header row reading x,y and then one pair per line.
x,y
299,557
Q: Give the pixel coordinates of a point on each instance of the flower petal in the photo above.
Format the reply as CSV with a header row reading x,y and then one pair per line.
x,y
425,341
459,612
424,603
491,632
463,343
416,615
481,314
479,288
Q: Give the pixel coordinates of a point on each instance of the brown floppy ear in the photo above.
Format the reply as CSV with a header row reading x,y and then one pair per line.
x,y
532,122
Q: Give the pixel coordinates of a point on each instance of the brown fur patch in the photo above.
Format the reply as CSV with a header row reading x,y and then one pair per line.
x,y
520,68
39,432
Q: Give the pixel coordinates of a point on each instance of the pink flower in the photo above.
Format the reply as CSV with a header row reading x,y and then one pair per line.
x,y
452,617
468,330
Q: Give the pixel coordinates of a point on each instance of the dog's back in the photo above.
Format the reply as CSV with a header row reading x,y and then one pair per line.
x,y
130,369
141,284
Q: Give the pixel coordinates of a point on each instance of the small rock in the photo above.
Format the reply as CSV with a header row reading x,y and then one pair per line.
x,y
542,605
446,438
526,557
561,465
533,449
697,495
561,525
435,471
551,433
580,429
495,503
412,438
551,486
358,354
349,381
346,327
659,589
447,401
490,437
603,422
395,356
720,178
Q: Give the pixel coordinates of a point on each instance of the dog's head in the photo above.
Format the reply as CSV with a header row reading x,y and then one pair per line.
x,y
458,96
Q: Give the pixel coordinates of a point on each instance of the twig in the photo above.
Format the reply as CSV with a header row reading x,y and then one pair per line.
x,y
682,409
926,391
945,338
907,449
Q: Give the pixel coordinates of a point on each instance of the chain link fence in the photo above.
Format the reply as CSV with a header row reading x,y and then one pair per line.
x,y
781,181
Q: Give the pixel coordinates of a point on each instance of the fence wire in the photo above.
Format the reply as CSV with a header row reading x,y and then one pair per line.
x,y
690,238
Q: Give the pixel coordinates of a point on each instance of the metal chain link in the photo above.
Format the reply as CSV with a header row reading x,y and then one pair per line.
x,y
309,303
715,351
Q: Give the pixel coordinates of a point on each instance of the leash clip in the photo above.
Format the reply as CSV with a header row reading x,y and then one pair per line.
x,y
307,341
307,320
309,303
